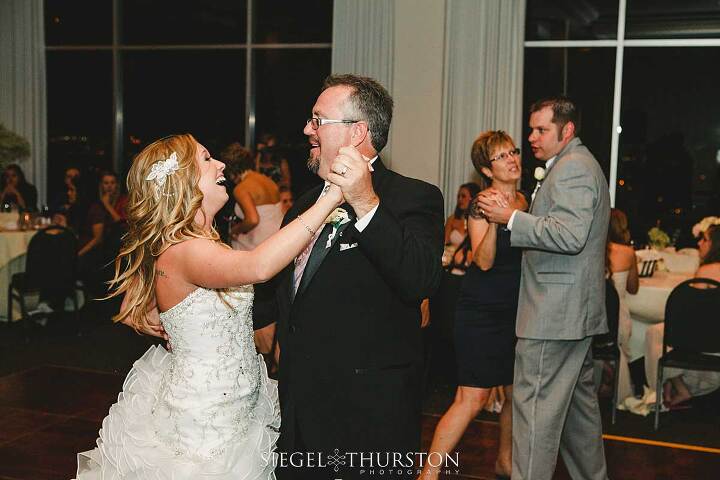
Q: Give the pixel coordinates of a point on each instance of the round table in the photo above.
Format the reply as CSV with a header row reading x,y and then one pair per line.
x,y
13,246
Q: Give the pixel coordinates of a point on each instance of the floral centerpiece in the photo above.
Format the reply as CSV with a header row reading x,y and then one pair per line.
x,y
657,238
13,147
700,227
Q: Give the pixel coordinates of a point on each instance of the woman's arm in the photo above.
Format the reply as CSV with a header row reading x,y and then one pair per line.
x,y
483,236
250,214
97,232
425,313
633,281
19,199
210,265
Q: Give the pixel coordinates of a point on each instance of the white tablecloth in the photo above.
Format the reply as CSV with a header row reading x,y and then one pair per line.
x,y
647,307
686,260
13,246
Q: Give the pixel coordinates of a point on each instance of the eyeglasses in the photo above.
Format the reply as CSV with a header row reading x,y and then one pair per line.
x,y
316,122
505,155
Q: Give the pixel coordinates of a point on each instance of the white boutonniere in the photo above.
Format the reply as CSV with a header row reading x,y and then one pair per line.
x,y
336,218
539,176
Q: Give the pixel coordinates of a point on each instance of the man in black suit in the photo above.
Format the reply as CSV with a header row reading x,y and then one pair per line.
x,y
349,324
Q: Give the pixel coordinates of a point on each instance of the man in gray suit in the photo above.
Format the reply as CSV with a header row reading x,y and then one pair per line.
x,y
562,301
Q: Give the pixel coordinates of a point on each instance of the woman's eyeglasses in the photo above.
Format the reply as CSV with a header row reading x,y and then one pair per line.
x,y
505,155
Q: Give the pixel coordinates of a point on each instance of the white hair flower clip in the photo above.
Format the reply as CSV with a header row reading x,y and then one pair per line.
x,y
161,169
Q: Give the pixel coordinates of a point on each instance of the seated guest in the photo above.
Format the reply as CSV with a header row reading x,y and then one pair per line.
x,y
686,384
286,198
456,230
269,162
622,269
16,190
70,206
101,232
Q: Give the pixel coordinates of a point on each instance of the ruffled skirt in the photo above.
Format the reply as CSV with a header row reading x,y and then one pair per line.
x,y
128,446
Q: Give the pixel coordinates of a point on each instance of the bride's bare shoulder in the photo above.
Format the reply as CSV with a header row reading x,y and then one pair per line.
x,y
184,250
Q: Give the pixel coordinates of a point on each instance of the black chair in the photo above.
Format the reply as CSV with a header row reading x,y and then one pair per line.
x,y
605,347
50,270
691,329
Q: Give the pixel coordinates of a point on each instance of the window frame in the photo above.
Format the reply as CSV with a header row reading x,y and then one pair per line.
x,y
620,43
117,49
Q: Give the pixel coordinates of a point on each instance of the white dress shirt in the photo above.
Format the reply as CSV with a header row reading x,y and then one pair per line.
x,y
360,223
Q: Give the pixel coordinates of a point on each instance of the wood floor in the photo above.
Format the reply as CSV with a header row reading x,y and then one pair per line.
x,y
47,414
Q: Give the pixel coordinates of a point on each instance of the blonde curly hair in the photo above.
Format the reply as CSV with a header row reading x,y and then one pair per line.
x,y
155,222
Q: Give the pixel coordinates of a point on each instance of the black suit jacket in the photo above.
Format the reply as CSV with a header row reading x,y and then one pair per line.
x,y
350,339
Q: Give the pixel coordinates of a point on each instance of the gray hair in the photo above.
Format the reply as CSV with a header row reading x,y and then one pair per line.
x,y
369,102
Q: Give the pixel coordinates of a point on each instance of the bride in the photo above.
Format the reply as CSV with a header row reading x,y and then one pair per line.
x,y
206,409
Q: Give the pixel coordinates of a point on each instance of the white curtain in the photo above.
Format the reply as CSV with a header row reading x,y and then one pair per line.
x,y
22,82
363,43
483,77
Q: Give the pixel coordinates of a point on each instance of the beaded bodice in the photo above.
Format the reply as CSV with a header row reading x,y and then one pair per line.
x,y
207,394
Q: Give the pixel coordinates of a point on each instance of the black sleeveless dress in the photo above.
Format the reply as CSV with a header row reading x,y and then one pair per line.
x,y
485,319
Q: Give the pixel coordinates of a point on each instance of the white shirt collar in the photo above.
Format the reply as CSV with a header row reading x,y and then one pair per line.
x,y
550,162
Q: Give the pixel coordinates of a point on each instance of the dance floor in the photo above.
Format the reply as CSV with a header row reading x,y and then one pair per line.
x,y
48,413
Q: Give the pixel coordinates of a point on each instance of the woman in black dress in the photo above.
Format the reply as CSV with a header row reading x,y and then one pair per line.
x,y
487,305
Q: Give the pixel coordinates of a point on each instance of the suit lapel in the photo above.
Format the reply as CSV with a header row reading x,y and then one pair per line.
x,y
568,148
305,202
320,252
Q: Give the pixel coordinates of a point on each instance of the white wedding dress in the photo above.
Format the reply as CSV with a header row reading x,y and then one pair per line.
x,y
625,389
205,410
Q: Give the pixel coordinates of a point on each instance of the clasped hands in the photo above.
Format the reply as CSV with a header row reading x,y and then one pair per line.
x,y
493,205
350,172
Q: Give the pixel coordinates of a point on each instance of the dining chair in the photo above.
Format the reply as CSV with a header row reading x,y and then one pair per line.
x,y
50,271
692,331
605,347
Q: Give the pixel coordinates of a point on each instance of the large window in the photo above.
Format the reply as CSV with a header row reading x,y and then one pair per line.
x,y
586,75
179,91
122,73
642,73
80,122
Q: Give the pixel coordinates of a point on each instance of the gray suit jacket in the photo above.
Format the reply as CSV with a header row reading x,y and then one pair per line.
x,y
562,290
